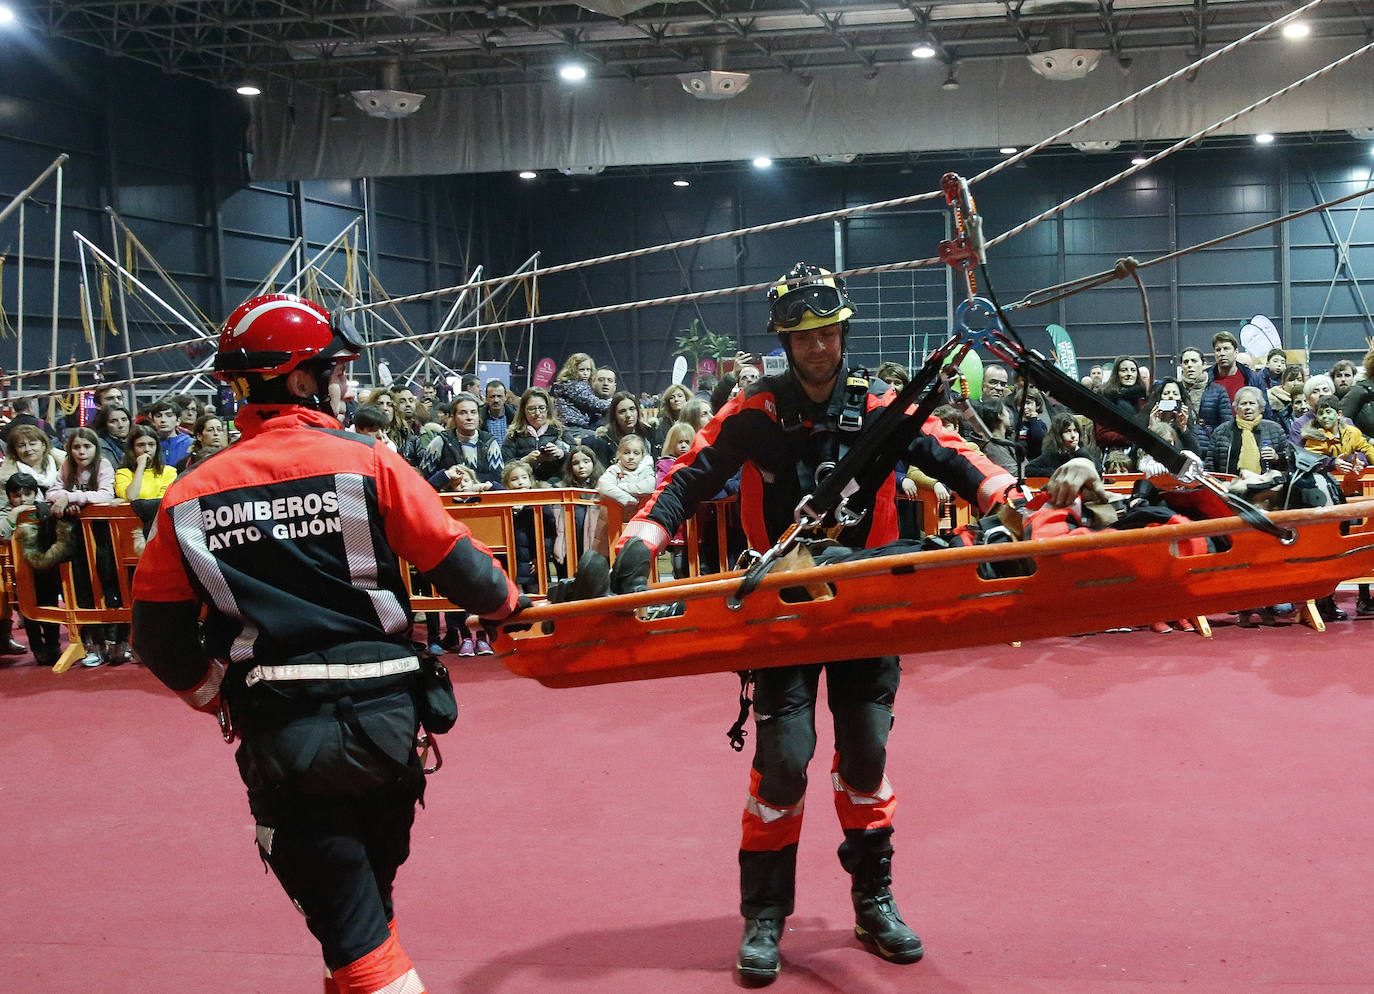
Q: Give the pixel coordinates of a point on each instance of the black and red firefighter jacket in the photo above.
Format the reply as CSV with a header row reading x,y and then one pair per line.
x,y
293,538
776,437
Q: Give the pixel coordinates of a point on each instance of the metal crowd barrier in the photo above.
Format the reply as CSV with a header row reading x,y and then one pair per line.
x,y
489,516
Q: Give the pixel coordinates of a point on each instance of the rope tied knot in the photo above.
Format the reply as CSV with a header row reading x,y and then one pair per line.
x,y
1125,267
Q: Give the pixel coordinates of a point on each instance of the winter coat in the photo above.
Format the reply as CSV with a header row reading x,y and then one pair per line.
x,y
1358,406
1226,446
578,407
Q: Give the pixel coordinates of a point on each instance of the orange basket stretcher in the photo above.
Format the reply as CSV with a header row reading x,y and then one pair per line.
x,y
935,601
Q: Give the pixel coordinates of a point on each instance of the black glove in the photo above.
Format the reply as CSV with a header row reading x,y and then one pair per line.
x,y
630,574
508,623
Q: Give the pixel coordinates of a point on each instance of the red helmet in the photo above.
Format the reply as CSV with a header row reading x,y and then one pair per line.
x,y
275,333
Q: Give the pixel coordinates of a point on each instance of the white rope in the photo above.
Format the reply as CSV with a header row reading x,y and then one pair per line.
x,y
695,296
679,298
864,208
1026,225
1132,98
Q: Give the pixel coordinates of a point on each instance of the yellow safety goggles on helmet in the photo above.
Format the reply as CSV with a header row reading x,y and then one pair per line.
x,y
807,297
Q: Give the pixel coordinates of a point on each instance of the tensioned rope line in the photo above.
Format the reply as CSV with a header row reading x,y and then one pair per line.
x,y
1126,267
860,208
893,267
1131,98
772,226
1183,143
630,305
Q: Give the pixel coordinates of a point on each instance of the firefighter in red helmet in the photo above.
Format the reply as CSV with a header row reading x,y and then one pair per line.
x,y
291,541
781,434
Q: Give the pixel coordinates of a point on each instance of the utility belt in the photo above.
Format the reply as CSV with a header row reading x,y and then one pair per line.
x,y
338,724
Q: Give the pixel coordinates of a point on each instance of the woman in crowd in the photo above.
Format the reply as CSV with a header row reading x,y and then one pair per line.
x,y
998,447
536,438
1125,390
1064,441
623,418
670,406
111,425
1169,415
31,450
403,439
697,413
577,407
209,438
1248,442
142,476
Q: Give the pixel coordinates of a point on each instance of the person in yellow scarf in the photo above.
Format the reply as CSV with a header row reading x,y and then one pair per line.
x,y
1249,442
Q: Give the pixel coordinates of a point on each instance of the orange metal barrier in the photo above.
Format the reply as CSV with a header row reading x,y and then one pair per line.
x,y
489,516
121,526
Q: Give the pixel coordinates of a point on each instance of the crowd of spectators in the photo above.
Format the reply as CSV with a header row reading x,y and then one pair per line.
x,y
582,432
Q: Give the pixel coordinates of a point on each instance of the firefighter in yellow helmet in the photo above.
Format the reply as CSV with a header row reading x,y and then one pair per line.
x,y
778,434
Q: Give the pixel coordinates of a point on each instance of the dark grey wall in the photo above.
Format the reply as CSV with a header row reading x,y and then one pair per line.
x,y
1284,272
168,155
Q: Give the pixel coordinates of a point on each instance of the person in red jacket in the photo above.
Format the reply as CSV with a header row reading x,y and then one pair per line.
x,y
292,541
781,434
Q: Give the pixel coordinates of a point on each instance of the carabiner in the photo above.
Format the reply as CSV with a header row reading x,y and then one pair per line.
x,y
977,307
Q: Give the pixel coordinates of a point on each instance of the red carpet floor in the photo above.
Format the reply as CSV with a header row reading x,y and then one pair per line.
x,y
1122,812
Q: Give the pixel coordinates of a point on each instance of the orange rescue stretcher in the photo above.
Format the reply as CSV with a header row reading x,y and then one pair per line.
x,y
935,601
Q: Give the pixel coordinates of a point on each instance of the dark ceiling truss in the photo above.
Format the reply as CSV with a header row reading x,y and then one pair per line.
x,y
337,45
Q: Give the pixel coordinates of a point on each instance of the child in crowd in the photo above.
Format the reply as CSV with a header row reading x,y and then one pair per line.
x,y
676,444
143,475
463,480
630,479
21,489
373,420
1031,434
581,471
1118,461
1328,435
518,476
87,479
581,468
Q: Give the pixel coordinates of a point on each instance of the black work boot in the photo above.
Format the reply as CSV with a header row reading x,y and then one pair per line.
x,y
767,885
867,856
757,961
593,579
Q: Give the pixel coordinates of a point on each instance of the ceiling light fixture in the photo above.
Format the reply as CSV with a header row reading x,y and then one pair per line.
x,y
679,182
573,72
248,90
762,162
1264,138
1139,159
6,14
1297,29
951,80
1008,150
528,174
923,51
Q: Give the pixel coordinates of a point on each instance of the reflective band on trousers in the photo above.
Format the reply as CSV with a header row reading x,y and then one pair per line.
x,y
332,671
767,814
